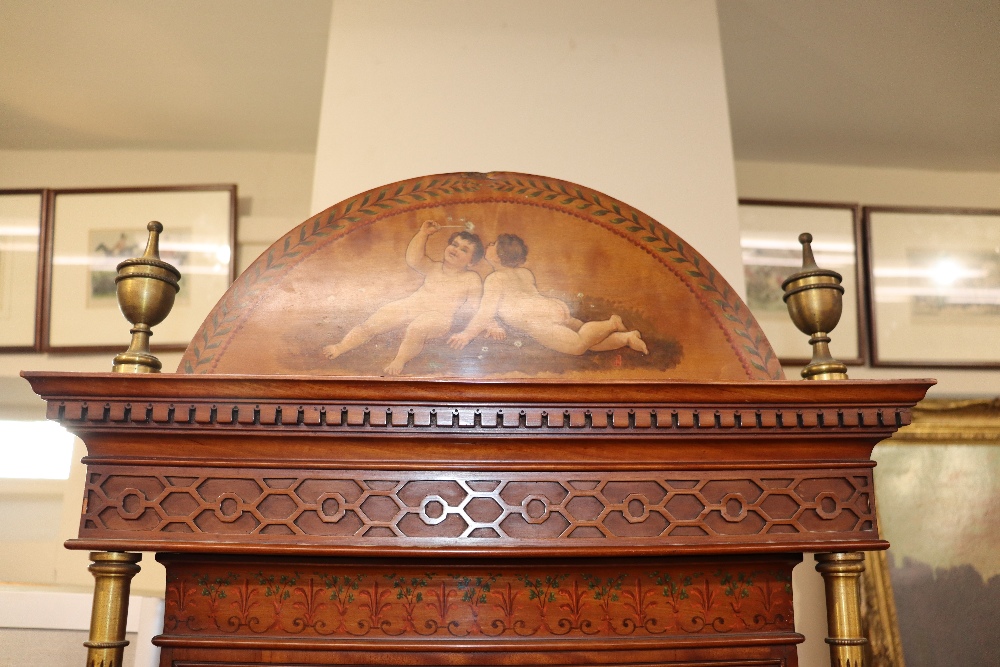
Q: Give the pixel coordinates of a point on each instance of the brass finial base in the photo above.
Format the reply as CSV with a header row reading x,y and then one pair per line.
x,y
113,572
146,289
842,579
814,298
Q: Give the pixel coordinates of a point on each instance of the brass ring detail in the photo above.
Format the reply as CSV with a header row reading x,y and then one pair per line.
x,y
148,261
859,641
167,279
789,293
121,644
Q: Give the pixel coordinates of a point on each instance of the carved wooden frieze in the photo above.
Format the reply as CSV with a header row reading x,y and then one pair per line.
x,y
367,508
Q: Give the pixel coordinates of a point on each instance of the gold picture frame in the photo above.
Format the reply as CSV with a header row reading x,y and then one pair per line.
x,y
935,421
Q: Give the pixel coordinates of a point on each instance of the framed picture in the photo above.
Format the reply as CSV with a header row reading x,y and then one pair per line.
x,y
932,598
92,230
21,214
769,238
934,286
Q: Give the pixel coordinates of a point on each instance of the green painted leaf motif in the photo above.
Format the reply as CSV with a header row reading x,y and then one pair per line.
x,y
617,221
584,205
398,192
352,219
365,201
695,274
679,260
616,209
633,228
650,239
417,197
383,206
381,196
601,212
350,205
550,197
368,211
665,250
569,200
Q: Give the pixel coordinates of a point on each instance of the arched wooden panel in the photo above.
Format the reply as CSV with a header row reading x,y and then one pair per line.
x,y
379,284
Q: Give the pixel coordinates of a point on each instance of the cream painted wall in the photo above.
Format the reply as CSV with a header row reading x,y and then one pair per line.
x,y
625,97
274,191
882,186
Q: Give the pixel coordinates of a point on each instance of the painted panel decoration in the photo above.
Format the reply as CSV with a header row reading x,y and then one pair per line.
x,y
935,286
494,275
368,601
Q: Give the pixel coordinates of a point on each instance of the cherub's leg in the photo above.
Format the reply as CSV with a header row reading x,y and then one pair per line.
x,y
386,318
563,339
424,327
620,339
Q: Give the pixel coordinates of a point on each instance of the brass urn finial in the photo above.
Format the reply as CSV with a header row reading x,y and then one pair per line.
x,y
814,298
146,288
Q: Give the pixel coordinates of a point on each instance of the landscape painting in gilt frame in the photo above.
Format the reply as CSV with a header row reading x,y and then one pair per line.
x,y
769,239
932,598
92,230
935,286
21,214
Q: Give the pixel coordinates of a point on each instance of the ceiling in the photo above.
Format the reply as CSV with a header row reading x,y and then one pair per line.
x,y
907,83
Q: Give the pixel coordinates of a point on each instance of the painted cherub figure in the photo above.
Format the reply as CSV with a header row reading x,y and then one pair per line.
x,y
510,294
428,312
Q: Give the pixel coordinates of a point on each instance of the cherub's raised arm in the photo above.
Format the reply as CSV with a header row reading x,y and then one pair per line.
x,y
416,251
483,317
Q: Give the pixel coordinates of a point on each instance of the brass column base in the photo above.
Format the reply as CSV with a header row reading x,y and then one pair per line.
x,y
113,572
842,577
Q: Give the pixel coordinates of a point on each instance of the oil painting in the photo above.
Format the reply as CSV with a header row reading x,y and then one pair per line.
x,y
460,276
938,484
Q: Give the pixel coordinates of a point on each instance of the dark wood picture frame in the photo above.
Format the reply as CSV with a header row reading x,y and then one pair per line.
x,y
39,270
857,279
136,227
928,312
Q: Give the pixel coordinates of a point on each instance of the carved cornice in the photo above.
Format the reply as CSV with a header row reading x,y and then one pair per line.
x,y
90,402
402,419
